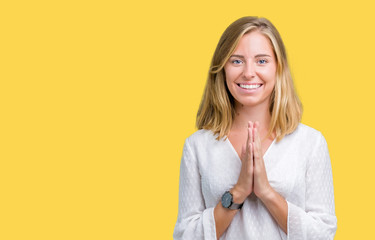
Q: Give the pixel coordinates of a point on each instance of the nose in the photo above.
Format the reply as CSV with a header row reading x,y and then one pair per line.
x,y
249,71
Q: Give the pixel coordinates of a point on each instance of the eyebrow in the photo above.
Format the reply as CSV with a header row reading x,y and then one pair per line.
x,y
259,55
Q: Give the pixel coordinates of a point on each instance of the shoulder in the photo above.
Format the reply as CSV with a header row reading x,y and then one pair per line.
x,y
304,136
201,136
304,132
304,143
202,141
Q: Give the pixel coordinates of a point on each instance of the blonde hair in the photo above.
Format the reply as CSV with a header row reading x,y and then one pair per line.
x,y
217,108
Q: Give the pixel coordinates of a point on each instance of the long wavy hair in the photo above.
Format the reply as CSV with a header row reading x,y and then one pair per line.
x,y
217,108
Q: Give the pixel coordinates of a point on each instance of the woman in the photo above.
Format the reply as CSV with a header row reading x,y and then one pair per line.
x,y
252,170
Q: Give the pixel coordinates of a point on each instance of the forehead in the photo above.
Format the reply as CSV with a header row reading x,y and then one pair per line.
x,y
254,43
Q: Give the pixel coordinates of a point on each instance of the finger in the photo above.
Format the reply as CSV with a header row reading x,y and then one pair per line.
x,y
251,154
251,136
248,140
245,150
255,151
256,124
257,135
257,144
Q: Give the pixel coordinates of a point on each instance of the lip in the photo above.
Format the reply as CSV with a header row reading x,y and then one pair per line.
x,y
246,83
243,90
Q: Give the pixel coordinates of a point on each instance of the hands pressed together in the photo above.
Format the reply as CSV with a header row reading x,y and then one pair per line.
x,y
253,176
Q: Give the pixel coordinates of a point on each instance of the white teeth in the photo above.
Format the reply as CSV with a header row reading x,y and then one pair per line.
x,y
250,86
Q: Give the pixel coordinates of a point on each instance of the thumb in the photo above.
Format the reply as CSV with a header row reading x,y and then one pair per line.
x,y
243,151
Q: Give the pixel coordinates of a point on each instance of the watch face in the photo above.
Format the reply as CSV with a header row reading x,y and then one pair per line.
x,y
226,199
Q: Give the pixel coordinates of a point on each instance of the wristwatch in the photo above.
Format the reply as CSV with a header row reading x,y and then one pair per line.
x,y
227,201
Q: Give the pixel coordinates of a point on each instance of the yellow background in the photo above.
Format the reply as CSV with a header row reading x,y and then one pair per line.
x,y
97,98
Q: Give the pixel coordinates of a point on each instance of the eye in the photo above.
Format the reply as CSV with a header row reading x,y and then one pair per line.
x,y
236,61
262,61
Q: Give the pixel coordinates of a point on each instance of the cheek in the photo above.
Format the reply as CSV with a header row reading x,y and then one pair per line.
x,y
268,75
232,74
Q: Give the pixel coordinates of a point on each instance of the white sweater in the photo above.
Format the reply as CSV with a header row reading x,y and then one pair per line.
x,y
298,168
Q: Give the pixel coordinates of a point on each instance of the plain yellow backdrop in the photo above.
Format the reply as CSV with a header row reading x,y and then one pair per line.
x,y
97,98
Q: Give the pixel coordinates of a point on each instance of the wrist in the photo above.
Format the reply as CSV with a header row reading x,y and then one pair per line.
x,y
268,195
238,195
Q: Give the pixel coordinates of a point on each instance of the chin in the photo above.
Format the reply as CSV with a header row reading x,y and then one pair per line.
x,y
253,103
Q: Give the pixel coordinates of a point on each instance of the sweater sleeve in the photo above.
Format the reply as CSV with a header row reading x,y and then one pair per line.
x,y
194,220
318,220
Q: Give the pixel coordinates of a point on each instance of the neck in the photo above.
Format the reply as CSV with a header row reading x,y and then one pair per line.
x,y
259,113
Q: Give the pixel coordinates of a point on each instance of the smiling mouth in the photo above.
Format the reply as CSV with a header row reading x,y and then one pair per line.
x,y
249,86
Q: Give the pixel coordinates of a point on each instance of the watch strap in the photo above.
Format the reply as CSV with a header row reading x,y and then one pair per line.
x,y
235,206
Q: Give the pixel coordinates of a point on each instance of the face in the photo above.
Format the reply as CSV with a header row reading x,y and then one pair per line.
x,y
251,70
